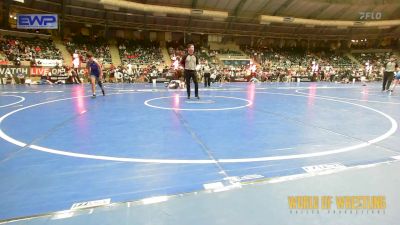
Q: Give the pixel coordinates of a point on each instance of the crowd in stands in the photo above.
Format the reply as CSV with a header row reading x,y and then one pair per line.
x,y
142,61
372,58
282,58
83,44
3,57
128,73
228,52
286,58
373,62
334,59
17,49
318,64
140,52
288,65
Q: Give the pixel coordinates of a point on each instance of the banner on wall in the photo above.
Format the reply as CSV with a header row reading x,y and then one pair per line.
x,y
14,70
37,21
36,71
39,71
49,62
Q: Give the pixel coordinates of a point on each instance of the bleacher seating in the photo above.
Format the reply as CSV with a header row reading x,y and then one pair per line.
x,y
372,58
27,49
140,52
97,45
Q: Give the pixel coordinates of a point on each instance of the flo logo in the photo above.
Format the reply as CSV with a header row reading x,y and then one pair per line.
x,y
370,15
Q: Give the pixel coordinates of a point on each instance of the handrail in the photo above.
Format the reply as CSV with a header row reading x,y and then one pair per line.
x,y
265,19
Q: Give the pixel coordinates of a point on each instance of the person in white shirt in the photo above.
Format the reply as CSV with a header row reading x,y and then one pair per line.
x,y
76,63
130,70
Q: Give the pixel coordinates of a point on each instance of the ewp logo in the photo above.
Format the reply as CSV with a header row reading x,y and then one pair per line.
x,y
37,21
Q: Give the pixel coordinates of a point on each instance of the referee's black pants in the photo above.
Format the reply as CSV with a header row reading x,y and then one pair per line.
x,y
191,74
387,80
207,80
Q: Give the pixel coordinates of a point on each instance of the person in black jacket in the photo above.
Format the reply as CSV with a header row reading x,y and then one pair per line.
x,y
207,75
189,63
388,74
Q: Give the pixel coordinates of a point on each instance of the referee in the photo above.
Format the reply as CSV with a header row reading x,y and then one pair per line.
x,y
388,74
189,63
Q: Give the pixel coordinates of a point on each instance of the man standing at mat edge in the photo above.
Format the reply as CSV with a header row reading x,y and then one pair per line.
x,y
96,73
189,63
207,75
388,74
